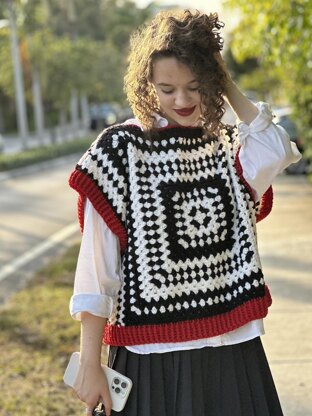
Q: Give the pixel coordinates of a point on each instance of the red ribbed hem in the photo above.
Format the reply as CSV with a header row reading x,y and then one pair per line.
x,y
266,201
88,189
188,330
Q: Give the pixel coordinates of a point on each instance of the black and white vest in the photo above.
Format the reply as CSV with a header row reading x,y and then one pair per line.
x,y
185,219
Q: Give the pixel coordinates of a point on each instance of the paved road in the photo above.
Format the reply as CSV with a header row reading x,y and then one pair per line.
x,y
285,241
37,219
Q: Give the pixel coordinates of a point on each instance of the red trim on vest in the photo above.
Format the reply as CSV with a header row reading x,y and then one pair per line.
x,y
266,204
266,201
88,189
188,330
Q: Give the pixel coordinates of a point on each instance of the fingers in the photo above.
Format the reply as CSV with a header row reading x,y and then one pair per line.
x,y
98,409
220,60
107,403
106,400
107,411
90,403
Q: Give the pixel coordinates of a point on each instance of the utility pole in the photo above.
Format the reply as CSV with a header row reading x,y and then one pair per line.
x,y
18,78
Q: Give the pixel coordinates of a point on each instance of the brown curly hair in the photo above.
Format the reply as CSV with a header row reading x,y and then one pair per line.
x,y
192,38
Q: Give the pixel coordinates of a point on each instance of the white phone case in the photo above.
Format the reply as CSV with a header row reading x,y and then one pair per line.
x,y
119,385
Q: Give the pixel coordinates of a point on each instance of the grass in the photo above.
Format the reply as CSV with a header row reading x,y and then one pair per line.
x,y
37,337
42,153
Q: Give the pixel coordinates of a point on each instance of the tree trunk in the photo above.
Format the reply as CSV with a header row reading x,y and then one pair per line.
x,y
62,125
38,106
74,110
22,121
2,122
85,118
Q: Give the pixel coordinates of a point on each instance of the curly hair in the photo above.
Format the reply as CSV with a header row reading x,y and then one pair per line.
x,y
192,38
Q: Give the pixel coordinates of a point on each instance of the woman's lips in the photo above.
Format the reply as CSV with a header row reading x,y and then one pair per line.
x,y
185,112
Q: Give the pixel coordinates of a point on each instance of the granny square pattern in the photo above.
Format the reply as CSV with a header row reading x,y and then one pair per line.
x,y
198,217
186,225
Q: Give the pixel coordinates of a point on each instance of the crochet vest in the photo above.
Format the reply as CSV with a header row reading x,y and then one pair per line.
x,y
185,219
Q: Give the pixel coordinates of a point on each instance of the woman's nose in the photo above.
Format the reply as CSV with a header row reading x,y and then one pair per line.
x,y
182,99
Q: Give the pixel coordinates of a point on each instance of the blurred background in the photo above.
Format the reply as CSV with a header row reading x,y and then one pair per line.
x,y
62,63
61,82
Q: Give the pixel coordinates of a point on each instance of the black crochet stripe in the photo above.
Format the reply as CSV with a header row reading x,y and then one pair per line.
x,y
198,312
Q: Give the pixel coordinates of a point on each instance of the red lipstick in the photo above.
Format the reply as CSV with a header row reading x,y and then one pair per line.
x,y
185,112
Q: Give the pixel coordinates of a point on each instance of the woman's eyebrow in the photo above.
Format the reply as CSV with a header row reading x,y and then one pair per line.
x,y
163,84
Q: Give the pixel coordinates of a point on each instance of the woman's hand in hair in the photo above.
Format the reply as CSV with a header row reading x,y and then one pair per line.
x,y
245,110
223,66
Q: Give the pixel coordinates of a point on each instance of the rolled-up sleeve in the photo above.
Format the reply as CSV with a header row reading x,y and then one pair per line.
x,y
97,278
266,150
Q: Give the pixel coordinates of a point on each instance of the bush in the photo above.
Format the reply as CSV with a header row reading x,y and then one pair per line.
x,y
43,153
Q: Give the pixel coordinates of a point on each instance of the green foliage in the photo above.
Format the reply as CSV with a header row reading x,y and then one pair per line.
x,y
72,45
278,33
41,154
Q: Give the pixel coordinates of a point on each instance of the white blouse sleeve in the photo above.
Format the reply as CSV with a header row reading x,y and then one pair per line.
x,y
265,151
97,279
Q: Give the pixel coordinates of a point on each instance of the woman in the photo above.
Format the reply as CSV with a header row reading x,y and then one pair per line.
x,y
169,261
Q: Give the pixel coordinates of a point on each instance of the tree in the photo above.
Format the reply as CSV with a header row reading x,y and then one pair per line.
x,y
68,46
279,34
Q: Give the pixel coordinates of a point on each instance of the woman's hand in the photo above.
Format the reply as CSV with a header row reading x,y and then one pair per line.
x,y
222,64
91,387
91,384
241,105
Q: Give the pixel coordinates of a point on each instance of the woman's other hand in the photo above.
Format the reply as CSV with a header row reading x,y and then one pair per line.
x,y
91,384
91,387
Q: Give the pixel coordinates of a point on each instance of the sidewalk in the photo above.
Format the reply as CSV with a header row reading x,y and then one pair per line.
x,y
285,242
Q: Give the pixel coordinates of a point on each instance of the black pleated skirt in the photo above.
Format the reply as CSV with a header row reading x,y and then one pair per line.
x,y
232,380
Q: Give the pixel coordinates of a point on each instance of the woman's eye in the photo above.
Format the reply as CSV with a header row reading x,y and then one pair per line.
x,y
172,91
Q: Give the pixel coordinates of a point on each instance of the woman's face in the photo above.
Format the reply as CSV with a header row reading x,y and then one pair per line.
x,y
177,90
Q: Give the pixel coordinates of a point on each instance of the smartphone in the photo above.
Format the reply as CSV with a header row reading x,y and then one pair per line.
x,y
119,385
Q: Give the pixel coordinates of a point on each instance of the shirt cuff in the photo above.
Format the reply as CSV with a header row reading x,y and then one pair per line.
x,y
260,123
95,304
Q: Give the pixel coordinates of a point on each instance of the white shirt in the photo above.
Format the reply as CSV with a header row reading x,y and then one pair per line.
x,y
266,150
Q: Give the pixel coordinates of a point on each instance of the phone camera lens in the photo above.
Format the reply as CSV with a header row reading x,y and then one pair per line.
x,y
117,390
124,385
116,380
